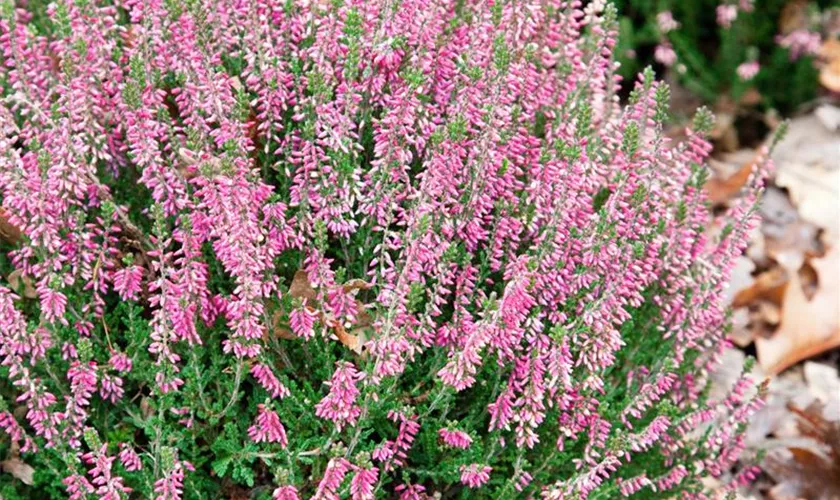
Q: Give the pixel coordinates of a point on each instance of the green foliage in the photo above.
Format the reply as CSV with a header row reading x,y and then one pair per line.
x,y
708,55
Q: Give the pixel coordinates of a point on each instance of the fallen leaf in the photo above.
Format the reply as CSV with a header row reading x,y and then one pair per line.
x,y
19,469
830,49
353,342
22,284
356,284
722,190
807,164
740,279
830,72
829,115
787,238
723,133
278,327
810,469
807,141
750,97
8,232
770,313
794,16
808,327
774,422
815,192
824,384
768,286
301,288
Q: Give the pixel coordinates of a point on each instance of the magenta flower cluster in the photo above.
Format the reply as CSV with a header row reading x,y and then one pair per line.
x,y
356,249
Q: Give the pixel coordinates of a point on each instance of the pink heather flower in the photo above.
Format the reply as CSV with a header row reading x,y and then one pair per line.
x,y
665,21
726,14
107,485
455,438
665,54
460,370
672,478
68,351
340,404
187,413
409,427
475,475
412,492
645,439
53,304
747,70
800,43
9,424
267,427
285,493
82,377
127,282
337,468
120,362
111,388
523,481
363,483
129,458
631,486
171,485
78,487
265,376
302,322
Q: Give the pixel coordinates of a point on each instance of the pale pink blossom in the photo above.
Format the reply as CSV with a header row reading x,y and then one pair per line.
x,y
340,405
455,438
267,427
726,14
747,70
475,475
665,54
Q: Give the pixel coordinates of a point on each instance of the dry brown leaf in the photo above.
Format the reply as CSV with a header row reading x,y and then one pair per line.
x,y
808,327
353,342
807,141
815,191
19,469
768,286
794,16
830,76
22,284
787,238
829,116
301,288
824,384
830,72
722,190
723,133
808,164
278,328
8,232
355,284
751,97
810,469
770,313
830,49
740,279
741,335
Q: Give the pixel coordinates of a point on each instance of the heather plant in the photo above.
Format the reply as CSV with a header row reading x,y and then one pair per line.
x,y
355,249
726,47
